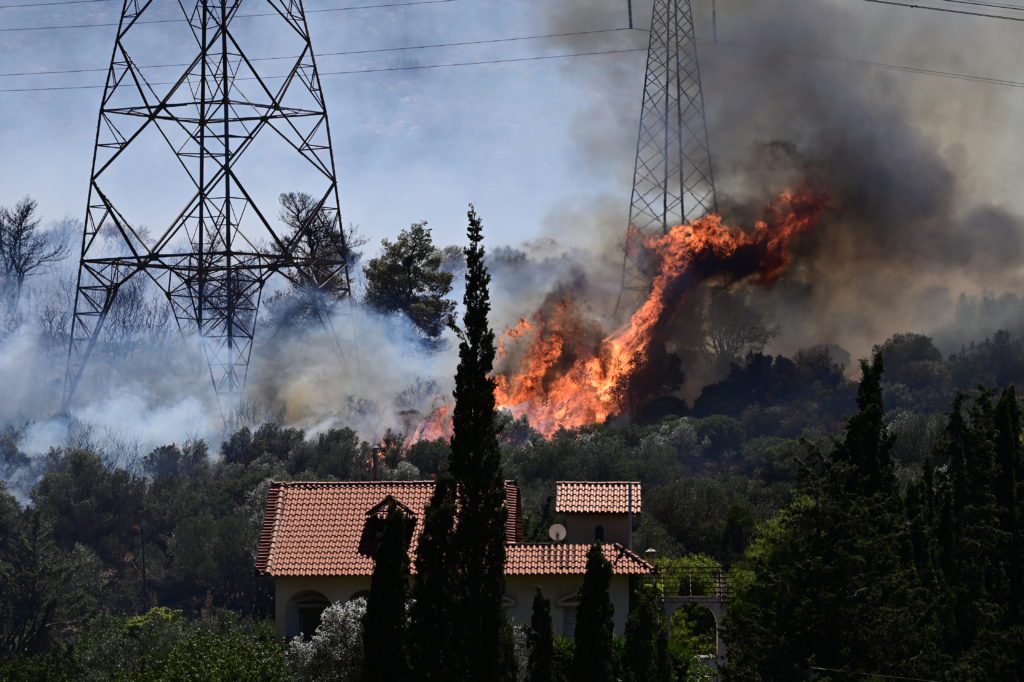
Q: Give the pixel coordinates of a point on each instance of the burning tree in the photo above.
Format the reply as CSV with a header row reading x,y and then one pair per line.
x,y
560,372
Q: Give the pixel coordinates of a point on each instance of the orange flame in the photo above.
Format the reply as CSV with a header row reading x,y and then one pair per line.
x,y
438,424
568,376
590,389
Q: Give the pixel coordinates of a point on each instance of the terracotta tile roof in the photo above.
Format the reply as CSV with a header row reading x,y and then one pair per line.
x,y
562,559
596,497
315,527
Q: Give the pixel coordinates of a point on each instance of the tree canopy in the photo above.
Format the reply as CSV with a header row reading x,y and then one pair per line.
x,y
407,278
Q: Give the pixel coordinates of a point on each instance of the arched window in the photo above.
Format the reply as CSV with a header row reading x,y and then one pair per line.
x,y
304,612
599,534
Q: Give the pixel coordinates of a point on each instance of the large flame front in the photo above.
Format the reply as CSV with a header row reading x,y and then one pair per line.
x,y
554,394
559,372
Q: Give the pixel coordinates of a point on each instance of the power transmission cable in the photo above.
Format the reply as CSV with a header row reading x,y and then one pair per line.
x,y
417,67
980,3
31,5
948,10
376,50
16,29
849,60
869,63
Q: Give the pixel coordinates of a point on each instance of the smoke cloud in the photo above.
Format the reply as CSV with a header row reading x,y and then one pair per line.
x,y
924,219
913,163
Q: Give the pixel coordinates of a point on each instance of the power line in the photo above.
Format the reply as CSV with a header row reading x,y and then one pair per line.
x,y
948,10
979,3
417,67
29,5
882,65
988,80
376,50
237,16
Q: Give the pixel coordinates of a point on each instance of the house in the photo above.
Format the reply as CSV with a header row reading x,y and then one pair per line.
x,y
317,543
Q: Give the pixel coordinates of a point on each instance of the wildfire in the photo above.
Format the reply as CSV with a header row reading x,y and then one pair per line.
x,y
559,371
438,424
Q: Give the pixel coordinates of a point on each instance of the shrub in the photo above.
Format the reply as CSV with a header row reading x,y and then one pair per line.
x,y
335,651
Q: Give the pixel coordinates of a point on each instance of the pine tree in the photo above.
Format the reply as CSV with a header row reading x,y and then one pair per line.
x,y
384,628
408,278
541,640
645,656
475,463
431,631
594,658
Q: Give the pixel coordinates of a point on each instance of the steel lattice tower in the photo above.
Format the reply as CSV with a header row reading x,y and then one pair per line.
x,y
672,182
212,254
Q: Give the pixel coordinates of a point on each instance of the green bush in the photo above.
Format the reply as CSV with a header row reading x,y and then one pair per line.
x,y
223,651
565,649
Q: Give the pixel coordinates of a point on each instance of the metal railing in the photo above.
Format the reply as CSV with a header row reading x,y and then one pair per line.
x,y
684,581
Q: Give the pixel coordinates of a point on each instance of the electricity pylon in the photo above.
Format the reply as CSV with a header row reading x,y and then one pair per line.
x,y
228,132
673,181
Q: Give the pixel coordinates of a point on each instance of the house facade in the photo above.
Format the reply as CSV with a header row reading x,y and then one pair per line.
x,y
317,543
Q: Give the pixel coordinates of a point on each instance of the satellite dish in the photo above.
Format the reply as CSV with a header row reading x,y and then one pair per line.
x,y
557,532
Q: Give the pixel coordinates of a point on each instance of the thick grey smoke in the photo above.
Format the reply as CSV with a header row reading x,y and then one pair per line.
x,y
916,165
921,176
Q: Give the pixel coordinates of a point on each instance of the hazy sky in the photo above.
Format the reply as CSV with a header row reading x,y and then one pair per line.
x,y
516,139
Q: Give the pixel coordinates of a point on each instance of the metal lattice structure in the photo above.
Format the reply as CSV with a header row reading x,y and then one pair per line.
x,y
221,240
673,181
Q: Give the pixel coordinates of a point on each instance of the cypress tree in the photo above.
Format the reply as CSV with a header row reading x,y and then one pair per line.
x,y
1010,470
384,658
645,656
594,659
978,539
832,580
475,463
431,631
541,640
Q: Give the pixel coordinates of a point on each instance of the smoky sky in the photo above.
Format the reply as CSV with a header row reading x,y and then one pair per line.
x,y
915,165
923,173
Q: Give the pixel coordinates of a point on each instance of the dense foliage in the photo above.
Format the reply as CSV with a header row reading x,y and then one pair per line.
x,y
408,278
855,575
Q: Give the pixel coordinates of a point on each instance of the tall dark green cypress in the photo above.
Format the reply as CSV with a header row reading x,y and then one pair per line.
x,y
867,447
431,630
475,463
384,628
1010,469
975,537
833,577
594,658
645,657
541,640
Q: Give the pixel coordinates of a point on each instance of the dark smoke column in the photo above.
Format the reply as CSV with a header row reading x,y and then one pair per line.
x,y
672,181
214,251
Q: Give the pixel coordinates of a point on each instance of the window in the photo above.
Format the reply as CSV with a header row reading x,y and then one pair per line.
x,y
568,621
304,612
599,534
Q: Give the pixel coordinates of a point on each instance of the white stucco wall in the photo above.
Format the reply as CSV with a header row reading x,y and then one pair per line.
x,y
580,528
